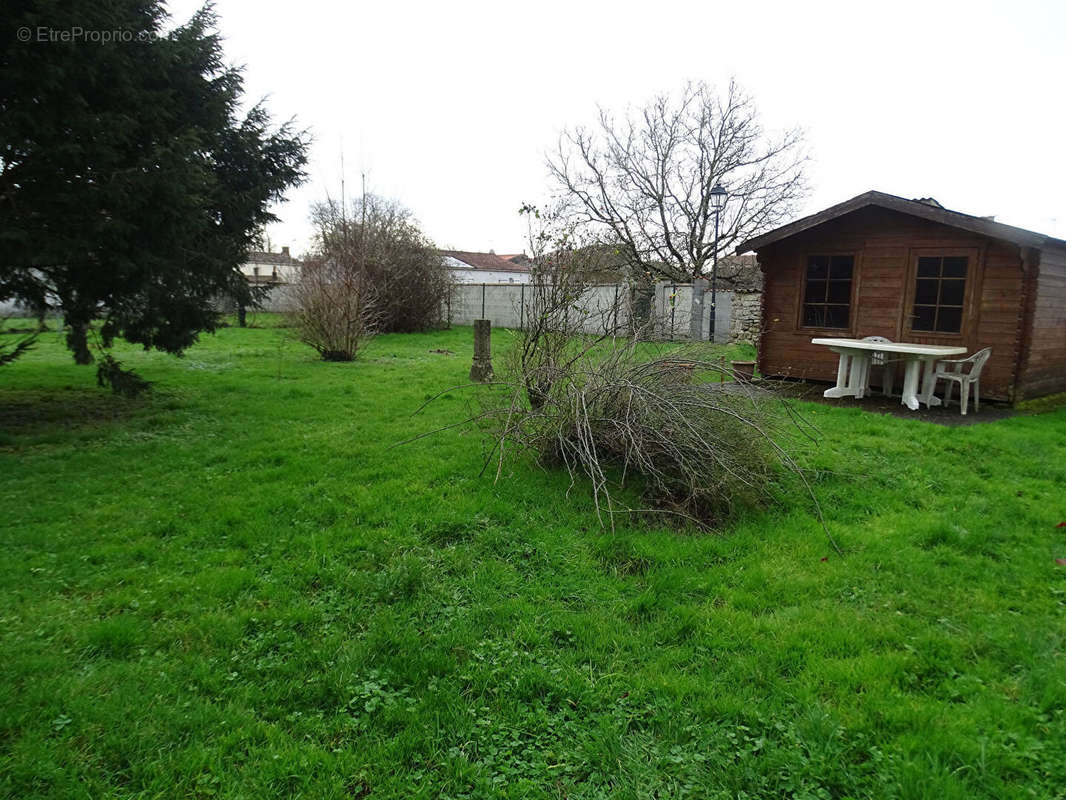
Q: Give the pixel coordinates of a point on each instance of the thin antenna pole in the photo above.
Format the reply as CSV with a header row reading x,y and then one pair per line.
x,y
362,224
344,197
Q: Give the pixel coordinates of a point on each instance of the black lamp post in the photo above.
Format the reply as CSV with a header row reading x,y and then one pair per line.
x,y
718,198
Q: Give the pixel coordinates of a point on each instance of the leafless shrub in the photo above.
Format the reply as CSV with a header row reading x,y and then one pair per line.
x,y
560,309
372,270
335,307
381,238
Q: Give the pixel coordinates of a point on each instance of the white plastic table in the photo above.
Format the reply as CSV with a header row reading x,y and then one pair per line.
x,y
855,358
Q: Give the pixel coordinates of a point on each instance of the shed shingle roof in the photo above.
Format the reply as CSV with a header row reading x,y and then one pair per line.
x,y
918,208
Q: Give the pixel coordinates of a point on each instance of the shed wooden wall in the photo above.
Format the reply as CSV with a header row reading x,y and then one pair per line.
x,y
1043,369
883,241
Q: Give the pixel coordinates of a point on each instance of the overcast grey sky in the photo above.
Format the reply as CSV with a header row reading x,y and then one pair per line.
x,y
450,106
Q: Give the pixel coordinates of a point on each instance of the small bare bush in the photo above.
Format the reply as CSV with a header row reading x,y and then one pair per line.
x,y
559,309
371,270
335,307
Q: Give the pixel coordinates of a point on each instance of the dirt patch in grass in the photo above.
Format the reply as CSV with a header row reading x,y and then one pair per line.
x,y
29,411
879,404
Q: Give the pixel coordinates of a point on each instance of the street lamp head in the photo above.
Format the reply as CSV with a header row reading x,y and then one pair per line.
x,y
718,196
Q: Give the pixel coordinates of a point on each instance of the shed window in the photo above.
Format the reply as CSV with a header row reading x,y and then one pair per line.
x,y
939,290
827,291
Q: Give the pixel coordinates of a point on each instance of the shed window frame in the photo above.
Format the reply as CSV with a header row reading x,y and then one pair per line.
x,y
968,309
853,293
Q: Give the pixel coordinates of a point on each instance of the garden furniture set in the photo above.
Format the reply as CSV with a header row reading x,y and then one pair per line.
x,y
929,363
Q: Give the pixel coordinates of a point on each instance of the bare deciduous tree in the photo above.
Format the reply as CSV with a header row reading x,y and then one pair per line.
x,y
646,178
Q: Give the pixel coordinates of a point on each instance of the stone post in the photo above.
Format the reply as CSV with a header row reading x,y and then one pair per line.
x,y
696,328
481,369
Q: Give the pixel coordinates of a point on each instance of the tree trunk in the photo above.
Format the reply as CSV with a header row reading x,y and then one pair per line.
x,y
78,341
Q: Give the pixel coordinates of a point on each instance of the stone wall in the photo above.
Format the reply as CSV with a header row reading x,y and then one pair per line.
x,y
746,317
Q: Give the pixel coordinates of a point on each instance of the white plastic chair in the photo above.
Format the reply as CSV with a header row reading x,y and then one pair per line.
x,y
877,359
966,372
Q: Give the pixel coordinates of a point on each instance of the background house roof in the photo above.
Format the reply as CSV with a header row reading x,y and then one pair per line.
x,y
521,259
263,257
926,208
486,261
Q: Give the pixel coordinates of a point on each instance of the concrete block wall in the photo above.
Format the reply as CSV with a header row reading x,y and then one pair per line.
x,y
279,299
507,306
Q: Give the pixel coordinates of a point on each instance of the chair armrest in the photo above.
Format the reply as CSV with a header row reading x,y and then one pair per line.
x,y
947,368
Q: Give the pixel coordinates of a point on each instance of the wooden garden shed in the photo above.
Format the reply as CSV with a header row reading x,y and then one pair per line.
x,y
914,271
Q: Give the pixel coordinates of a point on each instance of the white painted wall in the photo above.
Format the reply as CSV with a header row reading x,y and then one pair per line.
x,y
470,275
287,273
464,273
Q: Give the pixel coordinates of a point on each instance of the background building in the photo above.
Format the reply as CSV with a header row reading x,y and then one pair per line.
x,y
472,267
267,267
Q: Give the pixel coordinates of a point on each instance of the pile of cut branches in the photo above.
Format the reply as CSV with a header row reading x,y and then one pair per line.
x,y
698,439
589,389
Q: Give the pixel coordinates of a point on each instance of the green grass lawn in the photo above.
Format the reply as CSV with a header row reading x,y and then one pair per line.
x,y
234,588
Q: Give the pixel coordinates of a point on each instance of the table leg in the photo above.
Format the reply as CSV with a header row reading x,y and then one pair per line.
x,y
851,374
910,384
840,390
928,383
857,379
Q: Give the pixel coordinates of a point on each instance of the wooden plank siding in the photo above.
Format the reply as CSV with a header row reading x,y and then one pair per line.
x,y
885,244
1043,370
